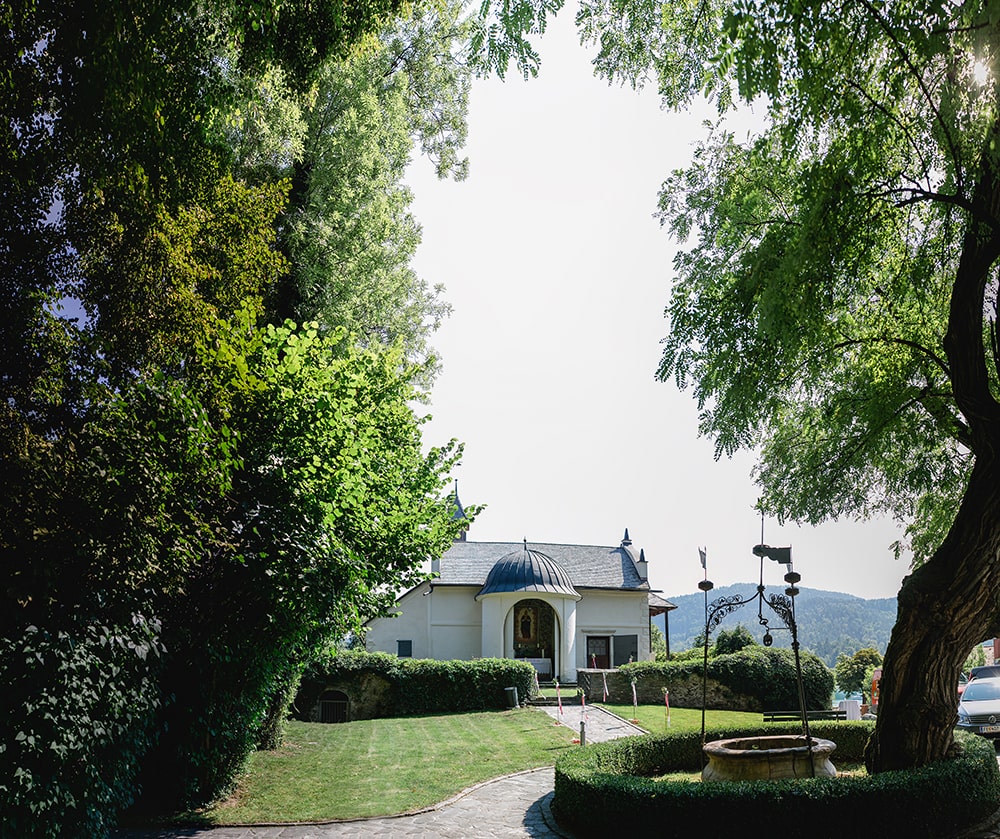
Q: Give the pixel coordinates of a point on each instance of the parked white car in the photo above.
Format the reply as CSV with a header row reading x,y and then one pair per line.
x,y
979,709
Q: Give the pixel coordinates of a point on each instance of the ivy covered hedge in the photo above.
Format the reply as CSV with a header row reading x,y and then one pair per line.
x,y
767,674
80,702
612,789
418,686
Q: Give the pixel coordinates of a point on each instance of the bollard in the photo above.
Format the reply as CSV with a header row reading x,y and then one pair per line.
x,y
583,733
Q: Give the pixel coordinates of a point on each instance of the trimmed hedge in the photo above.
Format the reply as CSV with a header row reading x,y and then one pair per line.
x,y
420,686
765,673
610,789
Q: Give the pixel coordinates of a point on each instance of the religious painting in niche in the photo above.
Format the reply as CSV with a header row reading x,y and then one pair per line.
x,y
526,625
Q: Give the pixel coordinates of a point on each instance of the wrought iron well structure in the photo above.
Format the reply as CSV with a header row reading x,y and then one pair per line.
x,y
781,605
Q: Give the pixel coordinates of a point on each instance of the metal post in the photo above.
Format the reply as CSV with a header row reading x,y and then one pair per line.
x,y
583,733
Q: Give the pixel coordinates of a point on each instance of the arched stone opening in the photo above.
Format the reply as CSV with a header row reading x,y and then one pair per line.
x,y
333,706
536,635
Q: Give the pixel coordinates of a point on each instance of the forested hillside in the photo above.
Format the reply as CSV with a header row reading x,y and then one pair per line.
x,y
829,623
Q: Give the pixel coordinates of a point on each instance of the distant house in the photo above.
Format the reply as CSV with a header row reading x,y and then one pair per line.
x,y
560,607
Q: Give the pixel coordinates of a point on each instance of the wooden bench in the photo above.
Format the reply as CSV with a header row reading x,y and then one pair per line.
x,y
796,716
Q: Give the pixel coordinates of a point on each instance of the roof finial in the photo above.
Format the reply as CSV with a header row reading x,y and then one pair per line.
x,y
625,540
526,543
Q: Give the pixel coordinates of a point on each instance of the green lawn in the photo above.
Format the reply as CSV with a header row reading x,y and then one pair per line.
x,y
654,719
389,766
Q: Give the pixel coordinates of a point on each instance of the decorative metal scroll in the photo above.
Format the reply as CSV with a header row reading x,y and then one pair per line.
x,y
782,607
720,608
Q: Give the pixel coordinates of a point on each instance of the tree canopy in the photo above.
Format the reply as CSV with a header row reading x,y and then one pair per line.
x,y
851,671
211,343
835,302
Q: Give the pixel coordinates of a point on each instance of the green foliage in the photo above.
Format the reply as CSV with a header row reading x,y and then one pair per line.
x,y
853,672
770,675
764,673
501,31
422,685
733,640
79,707
348,231
334,503
163,451
657,642
976,658
835,299
814,295
611,788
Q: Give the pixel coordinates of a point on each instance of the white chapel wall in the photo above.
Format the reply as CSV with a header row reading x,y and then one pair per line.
x,y
412,625
612,613
455,623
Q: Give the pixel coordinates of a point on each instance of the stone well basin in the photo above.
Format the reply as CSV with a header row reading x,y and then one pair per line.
x,y
768,758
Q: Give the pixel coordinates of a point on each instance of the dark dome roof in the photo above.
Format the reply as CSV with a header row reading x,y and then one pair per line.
x,y
528,570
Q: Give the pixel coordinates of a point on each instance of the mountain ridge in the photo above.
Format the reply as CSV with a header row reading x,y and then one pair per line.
x,y
829,623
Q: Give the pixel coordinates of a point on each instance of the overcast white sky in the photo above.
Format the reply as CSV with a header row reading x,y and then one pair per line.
x,y
559,274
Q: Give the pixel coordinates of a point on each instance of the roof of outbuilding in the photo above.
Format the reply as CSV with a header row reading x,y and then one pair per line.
x,y
587,566
657,605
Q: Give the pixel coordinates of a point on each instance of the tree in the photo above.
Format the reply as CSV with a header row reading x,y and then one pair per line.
x,y
836,309
733,640
332,505
976,658
347,231
657,643
852,671
172,466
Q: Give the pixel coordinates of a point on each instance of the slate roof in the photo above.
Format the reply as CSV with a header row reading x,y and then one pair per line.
x,y
660,605
588,566
528,570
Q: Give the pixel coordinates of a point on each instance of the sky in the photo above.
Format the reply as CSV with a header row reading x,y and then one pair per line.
x,y
558,274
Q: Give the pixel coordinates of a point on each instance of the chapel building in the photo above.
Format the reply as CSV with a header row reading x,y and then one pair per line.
x,y
562,608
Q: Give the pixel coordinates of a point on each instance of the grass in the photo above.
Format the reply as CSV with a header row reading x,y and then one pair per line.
x,y
653,718
388,766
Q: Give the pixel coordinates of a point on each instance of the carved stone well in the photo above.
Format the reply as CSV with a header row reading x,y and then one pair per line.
x,y
768,758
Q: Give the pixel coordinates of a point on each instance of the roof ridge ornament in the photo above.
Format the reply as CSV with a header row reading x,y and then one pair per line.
x,y
625,539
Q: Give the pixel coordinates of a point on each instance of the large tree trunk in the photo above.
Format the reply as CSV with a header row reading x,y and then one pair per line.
x,y
952,602
946,607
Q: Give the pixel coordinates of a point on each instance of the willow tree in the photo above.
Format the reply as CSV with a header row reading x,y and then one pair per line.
x,y
835,301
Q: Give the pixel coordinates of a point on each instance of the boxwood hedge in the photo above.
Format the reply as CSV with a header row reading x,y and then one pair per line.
x,y
611,789
422,685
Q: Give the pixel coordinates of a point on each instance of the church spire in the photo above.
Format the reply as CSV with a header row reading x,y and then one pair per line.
x,y
459,514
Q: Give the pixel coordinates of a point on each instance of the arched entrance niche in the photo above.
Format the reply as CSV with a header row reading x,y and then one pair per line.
x,y
529,605
333,706
535,635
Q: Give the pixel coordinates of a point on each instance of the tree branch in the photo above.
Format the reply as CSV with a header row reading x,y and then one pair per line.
x,y
904,55
963,340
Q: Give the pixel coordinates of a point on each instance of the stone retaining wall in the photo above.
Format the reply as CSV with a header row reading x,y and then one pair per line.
x,y
684,693
367,694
